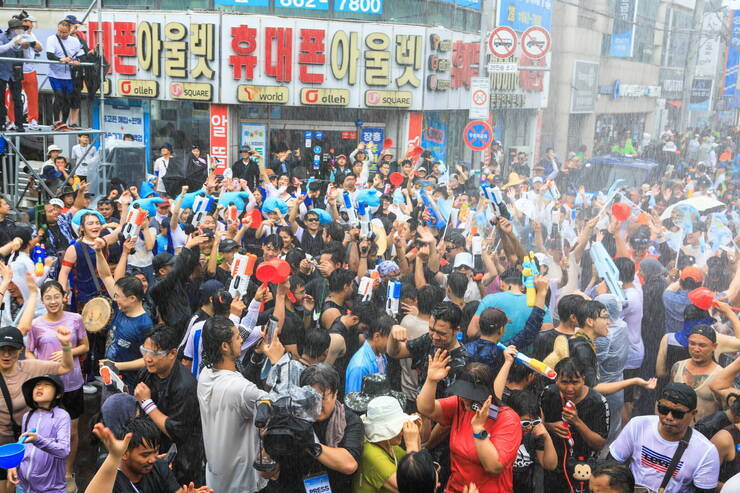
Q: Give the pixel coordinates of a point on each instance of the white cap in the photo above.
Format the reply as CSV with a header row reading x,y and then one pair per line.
x,y
57,202
463,259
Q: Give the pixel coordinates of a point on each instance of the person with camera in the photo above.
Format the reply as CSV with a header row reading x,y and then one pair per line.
x,y
29,84
13,42
333,456
484,434
247,167
227,406
64,48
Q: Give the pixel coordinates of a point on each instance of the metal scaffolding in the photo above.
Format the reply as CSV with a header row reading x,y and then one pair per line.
x,y
13,161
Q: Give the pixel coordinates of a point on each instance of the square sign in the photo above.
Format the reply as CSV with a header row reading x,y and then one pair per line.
x,y
479,98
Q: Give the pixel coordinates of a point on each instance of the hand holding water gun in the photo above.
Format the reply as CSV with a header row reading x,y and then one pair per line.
x,y
364,212
350,208
134,220
437,220
570,415
202,206
533,364
39,256
495,201
242,268
393,298
529,271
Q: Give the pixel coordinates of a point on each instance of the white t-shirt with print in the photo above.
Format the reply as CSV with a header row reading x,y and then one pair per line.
x,y
649,455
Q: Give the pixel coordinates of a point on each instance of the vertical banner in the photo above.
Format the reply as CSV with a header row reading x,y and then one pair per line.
x,y
730,92
480,100
254,136
434,135
623,31
219,130
413,137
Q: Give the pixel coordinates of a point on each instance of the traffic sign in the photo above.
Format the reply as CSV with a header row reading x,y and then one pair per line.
x,y
479,98
502,42
478,135
536,42
319,135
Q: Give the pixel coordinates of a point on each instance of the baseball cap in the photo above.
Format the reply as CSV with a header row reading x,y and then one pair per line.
x,y
167,146
706,331
679,393
11,336
57,202
209,288
463,259
227,245
692,272
470,387
456,239
162,259
72,19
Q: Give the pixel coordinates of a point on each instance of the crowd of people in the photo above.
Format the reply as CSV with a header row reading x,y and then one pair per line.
x,y
373,324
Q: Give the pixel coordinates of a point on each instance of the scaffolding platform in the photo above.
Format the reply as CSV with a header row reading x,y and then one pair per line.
x,y
43,132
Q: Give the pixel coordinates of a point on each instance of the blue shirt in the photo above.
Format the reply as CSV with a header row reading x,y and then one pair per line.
x,y
516,309
364,362
675,302
488,352
128,334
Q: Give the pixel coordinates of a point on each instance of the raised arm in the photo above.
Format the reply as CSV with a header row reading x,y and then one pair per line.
x,y
437,370
29,305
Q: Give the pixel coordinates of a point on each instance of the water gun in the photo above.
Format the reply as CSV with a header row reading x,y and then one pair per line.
x,y
553,189
134,219
201,207
365,288
39,255
242,268
232,213
495,201
571,407
353,221
529,271
437,220
607,270
364,212
533,364
393,298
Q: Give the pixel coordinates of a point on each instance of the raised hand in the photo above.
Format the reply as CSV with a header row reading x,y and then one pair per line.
x,y
64,336
437,368
116,448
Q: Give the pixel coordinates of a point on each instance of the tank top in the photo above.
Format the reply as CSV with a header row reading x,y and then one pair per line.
x,y
331,304
81,279
706,403
729,469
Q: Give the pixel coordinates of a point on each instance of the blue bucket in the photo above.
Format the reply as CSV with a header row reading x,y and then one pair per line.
x,y
12,454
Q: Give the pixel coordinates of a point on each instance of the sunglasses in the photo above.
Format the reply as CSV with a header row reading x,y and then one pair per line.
x,y
525,423
677,413
312,219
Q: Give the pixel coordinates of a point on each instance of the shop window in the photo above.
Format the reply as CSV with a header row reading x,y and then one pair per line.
x,y
180,123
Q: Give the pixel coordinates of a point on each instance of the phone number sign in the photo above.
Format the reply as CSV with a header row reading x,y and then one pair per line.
x,y
478,135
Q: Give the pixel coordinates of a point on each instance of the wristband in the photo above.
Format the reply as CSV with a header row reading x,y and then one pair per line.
x,y
148,406
67,347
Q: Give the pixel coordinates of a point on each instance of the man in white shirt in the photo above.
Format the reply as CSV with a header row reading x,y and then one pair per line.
x,y
84,156
64,48
649,443
160,167
30,85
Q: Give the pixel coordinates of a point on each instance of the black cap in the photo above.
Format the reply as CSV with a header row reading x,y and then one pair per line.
x,y
15,24
11,336
162,259
227,245
469,387
679,393
706,331
456,239
28,385
245,148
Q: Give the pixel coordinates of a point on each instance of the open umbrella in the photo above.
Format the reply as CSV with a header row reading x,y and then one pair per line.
x,y
702,204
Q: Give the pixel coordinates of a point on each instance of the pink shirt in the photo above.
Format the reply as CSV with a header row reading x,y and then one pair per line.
x,y
42,342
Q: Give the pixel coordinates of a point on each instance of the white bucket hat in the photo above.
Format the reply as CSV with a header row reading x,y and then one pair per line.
x,y
384,419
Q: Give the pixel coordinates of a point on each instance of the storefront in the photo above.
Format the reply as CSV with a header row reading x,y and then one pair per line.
x,y
225,80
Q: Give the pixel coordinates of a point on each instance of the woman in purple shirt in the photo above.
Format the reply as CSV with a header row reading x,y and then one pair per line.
x,y
43,343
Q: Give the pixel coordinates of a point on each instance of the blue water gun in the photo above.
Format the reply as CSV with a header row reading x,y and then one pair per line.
x,y
607,270
39,256
202,206
437,220
529,271
393,298
351,213
364,212
496,203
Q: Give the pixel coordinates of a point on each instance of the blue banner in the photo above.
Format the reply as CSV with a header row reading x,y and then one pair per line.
x,y
434,135
471,4
623,30
730,92
523,14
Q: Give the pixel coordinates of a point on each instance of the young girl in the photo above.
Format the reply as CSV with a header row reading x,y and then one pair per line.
x,y
47,447
43,343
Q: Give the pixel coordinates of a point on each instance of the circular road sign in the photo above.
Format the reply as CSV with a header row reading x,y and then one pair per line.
x,y
478,135
480,98
536,42
502,42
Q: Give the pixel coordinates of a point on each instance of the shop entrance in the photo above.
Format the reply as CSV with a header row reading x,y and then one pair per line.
x,y
302,137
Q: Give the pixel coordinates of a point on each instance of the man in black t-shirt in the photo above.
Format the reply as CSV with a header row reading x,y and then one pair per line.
x,y
444,325
578,431
567,313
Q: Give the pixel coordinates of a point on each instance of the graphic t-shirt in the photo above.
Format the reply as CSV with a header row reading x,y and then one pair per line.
x,y
649,455
128,334
42,341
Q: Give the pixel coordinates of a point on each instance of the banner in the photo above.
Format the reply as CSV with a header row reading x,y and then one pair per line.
x,y
623,30
219,130
521,15
730,91
585,86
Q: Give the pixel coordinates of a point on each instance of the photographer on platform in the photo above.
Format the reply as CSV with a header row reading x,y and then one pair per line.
x,y
29,84
12,43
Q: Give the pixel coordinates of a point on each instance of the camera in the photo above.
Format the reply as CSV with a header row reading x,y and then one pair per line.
x,y
208,233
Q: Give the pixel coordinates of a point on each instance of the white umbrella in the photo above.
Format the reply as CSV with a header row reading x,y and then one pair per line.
x,y
702,204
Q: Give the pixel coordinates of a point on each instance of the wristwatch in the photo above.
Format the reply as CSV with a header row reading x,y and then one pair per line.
x,y
483,435
314,450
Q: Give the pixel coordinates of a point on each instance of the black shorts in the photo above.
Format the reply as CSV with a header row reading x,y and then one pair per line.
x,y
74,403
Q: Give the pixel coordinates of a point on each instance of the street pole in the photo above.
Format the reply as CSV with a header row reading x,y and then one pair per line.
x,y
690,68
486,10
